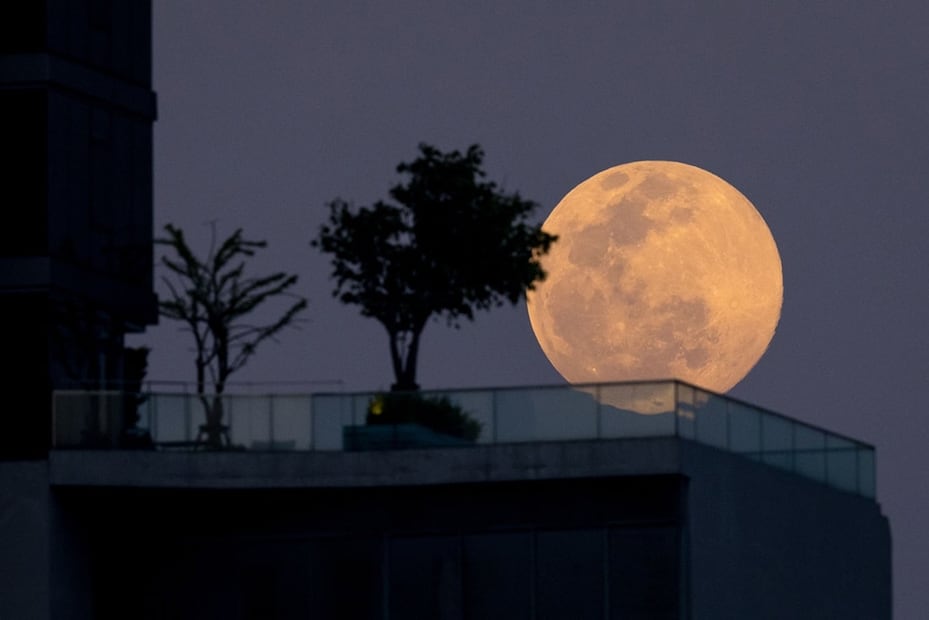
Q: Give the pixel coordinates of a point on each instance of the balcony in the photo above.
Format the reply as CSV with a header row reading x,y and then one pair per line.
x,y
326,422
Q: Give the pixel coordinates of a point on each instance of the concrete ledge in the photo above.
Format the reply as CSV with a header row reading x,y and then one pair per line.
x,y
245,470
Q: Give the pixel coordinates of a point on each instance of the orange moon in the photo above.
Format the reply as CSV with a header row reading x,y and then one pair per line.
x,y
662,270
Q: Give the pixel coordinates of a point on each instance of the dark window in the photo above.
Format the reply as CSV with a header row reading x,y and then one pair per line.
x,y
101,15
644,577
23,153
498,575
22,26
425,577
570,570
345,578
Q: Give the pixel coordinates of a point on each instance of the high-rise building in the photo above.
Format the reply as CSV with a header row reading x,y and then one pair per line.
x,y
76,115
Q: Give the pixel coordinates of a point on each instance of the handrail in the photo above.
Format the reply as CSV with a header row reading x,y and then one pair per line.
x,y
318,422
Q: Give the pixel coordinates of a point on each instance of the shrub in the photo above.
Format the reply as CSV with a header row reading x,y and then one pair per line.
x,y
436,413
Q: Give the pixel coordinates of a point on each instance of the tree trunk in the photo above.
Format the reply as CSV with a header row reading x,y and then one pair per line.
x,y
213,433
404,362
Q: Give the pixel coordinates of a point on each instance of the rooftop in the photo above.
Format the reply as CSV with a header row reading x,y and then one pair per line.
x,y
566,421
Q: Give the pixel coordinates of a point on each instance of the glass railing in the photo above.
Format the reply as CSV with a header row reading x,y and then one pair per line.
x,y
177,421
349,421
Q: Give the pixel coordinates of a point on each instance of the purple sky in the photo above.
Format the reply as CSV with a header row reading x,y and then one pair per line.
x,y
815,110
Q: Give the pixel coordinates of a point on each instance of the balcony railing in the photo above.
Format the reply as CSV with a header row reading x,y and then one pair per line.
x,y
319,422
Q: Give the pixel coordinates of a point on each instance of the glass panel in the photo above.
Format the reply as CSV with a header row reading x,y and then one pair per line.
x,y
145,411
811,463
320,422
777,434
547,414
327,424
806,438
479,406
173,416
637,410
686,411
249,421
641,398
71,411
712,427
744,429
619,423
290,422
777,441
840,443
866,472
513,415
842,468
357,413
88,419
809,452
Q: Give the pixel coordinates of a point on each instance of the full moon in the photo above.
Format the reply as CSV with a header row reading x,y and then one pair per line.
x,y
661,270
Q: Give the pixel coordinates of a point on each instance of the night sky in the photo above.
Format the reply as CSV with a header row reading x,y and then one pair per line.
x,y
817,111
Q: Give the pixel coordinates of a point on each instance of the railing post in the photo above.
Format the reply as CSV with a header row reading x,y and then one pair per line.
x,y
493,416
692,410
271,421
826,458
312,412
153,417
857,470
186,417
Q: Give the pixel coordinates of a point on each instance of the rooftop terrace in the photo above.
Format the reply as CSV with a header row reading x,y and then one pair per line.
x,y
337,422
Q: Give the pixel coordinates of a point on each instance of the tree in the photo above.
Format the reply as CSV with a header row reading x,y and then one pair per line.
x,y
449,244
213,297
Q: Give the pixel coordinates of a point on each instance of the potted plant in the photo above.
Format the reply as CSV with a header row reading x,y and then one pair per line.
x,y
398,420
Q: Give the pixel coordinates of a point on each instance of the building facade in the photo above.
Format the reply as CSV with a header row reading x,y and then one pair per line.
x,y
657,528
76,115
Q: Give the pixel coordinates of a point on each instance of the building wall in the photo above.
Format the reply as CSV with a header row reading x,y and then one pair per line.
x,y
76,115
595,548
765,544
24,540
76,110
650,528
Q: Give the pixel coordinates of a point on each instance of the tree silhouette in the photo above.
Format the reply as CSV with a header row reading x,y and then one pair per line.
x,y
213,297
449,244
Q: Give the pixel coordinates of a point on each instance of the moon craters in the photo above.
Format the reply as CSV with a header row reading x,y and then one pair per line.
x,y
650,279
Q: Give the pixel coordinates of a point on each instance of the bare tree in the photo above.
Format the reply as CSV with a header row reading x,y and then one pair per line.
x,y
214,298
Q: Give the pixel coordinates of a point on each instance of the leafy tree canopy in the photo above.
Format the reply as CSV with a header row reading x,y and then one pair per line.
x,y
448,244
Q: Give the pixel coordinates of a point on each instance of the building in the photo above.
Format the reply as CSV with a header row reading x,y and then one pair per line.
x,y
76,114
639,500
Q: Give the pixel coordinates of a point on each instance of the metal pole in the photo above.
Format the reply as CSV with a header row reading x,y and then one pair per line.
x,y
271,421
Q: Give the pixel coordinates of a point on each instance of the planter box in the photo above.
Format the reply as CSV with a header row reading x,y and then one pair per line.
x,y
396,437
